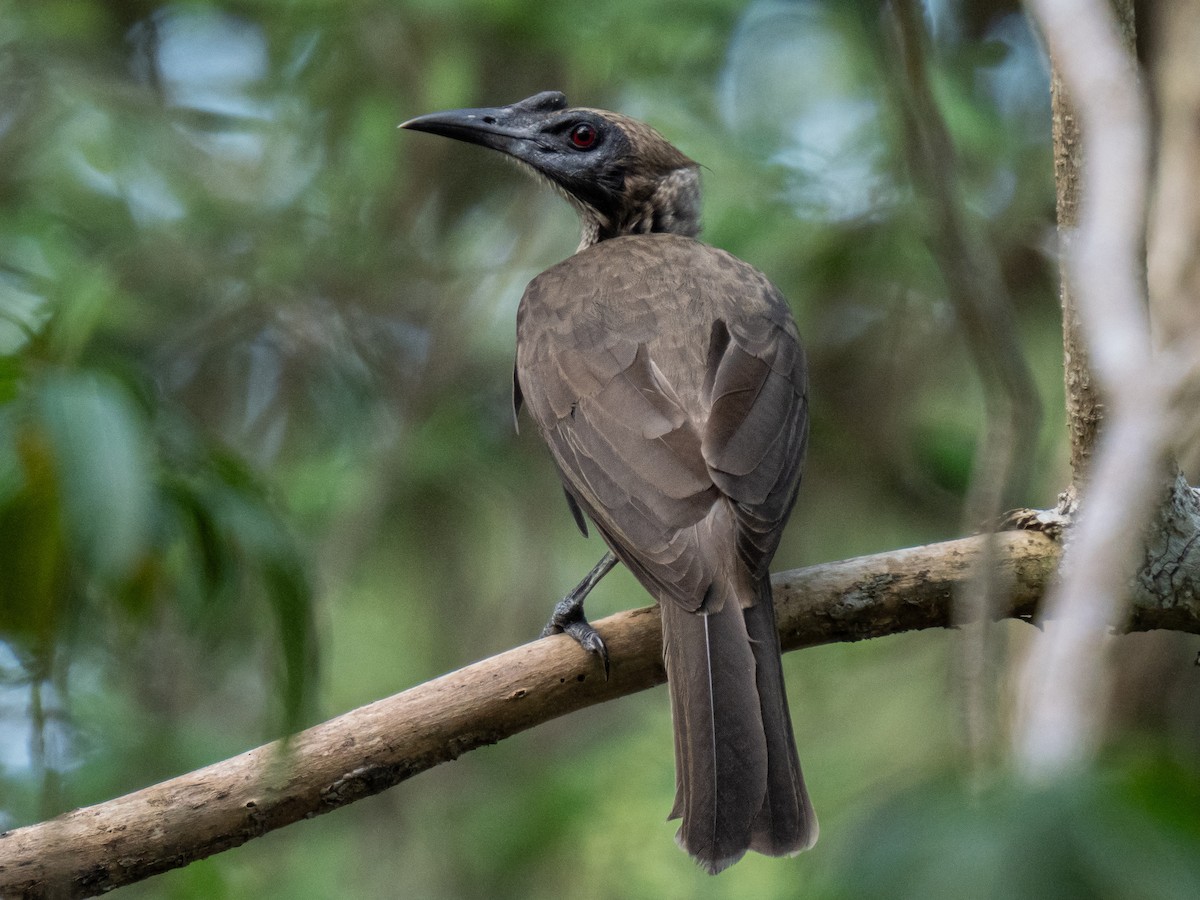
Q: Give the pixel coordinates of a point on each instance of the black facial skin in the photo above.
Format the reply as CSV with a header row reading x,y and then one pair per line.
x,y
538,132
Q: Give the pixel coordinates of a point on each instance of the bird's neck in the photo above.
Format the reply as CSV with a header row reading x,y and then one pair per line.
x,y
667,204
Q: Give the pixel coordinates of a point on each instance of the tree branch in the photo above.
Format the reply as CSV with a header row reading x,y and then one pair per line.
x,y
97,848
92,850
1084,410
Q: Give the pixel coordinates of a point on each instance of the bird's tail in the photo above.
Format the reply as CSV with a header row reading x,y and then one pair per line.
x,y
737,775
786,824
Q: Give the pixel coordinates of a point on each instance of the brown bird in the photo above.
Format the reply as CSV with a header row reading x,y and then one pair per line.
x,y
668,380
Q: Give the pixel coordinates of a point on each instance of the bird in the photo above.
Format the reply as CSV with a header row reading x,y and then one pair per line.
x,y
668,380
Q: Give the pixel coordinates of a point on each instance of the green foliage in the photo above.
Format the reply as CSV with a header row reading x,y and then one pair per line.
x,y
1130,831
119,511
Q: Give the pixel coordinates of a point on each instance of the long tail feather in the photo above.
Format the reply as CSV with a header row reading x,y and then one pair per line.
x,y
720,748
738,784
786,824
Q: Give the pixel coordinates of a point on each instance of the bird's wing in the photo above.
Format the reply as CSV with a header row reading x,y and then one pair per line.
x,y
649,475
631,458
757,428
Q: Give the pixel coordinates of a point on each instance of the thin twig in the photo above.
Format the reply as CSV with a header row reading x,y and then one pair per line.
x,y
980,298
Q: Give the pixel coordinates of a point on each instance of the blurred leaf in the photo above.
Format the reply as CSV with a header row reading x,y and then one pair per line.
x,y
84,298
100,447
946,450
236,546
33,568
22,314
1112,833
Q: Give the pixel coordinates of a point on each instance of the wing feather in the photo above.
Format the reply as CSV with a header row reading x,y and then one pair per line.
x,y
664,395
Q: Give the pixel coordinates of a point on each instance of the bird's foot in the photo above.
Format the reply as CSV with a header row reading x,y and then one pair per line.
x,y
568,618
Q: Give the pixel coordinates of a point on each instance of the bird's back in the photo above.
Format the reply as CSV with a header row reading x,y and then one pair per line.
x,y
661,290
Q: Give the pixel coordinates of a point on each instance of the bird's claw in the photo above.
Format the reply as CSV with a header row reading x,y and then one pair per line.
x,y
568,619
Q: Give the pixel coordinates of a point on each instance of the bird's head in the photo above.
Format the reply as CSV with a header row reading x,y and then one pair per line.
x,y
621,175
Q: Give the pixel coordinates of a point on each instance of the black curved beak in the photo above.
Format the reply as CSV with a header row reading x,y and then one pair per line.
x,y
501,128
488,126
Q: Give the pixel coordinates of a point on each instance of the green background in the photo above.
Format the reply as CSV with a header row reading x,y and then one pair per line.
x,y
257,464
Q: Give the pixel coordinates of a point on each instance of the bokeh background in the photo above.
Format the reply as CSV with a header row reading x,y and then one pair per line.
x,y
257,462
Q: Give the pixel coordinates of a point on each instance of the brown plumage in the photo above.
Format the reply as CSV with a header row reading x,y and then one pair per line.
x,y
668,380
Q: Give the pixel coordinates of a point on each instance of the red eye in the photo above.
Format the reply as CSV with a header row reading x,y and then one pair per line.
x,y
583,136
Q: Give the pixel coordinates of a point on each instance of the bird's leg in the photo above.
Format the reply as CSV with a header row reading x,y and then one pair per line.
x,y
568,613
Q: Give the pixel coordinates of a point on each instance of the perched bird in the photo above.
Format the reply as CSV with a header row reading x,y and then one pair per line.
x,y
668,381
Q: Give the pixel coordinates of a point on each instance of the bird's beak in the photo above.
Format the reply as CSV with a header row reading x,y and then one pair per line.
x,y
503,128
498,127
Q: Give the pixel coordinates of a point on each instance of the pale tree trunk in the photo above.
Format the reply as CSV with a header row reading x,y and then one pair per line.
x,y
1134,545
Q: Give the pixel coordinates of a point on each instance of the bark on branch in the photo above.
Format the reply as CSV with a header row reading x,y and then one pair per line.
x,y
92,850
